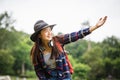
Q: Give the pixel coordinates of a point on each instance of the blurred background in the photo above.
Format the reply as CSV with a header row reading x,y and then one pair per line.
x,y
95,57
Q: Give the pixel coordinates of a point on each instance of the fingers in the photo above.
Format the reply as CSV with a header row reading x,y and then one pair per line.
x,y
105,17
100,19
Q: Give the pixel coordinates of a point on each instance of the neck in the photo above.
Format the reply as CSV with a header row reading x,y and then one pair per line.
x,y
45,45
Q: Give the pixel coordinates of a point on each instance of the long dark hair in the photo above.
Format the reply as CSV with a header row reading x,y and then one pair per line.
x,y
35,51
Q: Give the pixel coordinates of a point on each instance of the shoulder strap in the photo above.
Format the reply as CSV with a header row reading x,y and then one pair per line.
x,y
69,64
60,46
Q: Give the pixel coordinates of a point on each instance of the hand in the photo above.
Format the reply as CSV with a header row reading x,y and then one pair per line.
x,y
99,23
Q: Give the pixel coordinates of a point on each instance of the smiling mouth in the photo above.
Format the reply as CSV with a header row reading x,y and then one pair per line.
x,y
49,36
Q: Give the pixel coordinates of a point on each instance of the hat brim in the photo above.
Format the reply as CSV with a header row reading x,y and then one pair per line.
x,y
33,37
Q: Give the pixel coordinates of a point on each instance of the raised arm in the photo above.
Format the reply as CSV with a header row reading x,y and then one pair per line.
x,y
74,36
98,24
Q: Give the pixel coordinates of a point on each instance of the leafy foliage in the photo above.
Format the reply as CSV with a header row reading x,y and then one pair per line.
x,y
15,44
111,51
6,62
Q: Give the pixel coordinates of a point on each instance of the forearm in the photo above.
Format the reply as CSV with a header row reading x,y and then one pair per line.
x,y
91,29
74,36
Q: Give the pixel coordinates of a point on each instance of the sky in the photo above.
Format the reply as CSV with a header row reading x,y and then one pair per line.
x,y
67,14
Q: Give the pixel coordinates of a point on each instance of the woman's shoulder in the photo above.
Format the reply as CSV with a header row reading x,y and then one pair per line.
x,y
58,38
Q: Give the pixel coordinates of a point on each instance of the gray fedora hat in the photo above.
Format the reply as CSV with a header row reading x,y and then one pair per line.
x,y
39,25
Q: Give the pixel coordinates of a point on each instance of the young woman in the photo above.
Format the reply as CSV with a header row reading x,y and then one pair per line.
x,y
48,55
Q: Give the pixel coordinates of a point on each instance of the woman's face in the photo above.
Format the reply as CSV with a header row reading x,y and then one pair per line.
x,y
46,34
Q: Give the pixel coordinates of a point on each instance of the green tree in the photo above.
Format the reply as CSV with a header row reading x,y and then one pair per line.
x,y
16,43
7,37
6,62
111,50
7,40
21,54
76,49
80,70
93,58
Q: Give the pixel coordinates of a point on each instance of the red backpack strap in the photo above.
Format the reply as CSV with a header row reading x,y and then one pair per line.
x,y
60,46
69,64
